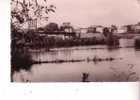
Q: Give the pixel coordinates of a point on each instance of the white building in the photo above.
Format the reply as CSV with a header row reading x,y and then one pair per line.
x,y
84,33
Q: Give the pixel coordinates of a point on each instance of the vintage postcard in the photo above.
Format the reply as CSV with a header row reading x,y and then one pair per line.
x,y
75,41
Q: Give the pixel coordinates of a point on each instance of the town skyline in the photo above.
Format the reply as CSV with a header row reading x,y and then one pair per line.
x,y
98,12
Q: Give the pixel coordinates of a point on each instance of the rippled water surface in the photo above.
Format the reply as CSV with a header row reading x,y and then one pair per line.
x,y
125,67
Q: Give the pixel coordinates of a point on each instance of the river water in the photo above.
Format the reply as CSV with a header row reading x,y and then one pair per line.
x,y
124,67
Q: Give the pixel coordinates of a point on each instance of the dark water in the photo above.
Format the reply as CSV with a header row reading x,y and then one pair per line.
x,y
125,67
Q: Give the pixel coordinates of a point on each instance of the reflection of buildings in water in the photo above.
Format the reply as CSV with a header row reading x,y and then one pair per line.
x,y
126,42
137,53
66,54
52,55
72,71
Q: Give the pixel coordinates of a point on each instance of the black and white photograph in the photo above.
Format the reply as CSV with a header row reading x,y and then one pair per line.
x,y
75,41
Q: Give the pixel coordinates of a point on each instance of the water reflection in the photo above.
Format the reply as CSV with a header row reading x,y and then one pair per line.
x,y
116,70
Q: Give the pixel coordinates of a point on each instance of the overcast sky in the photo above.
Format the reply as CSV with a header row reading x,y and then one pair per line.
x,y
96,12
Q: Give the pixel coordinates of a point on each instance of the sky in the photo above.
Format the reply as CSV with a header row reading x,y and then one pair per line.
x,y
83,13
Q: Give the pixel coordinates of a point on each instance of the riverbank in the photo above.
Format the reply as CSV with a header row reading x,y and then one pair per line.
x,y
58,43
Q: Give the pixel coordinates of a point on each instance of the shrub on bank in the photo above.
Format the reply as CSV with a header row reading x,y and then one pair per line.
x,y
137,43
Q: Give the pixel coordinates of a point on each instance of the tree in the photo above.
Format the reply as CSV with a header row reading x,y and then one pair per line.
x,y
23,11
52,27
67,27
26,10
